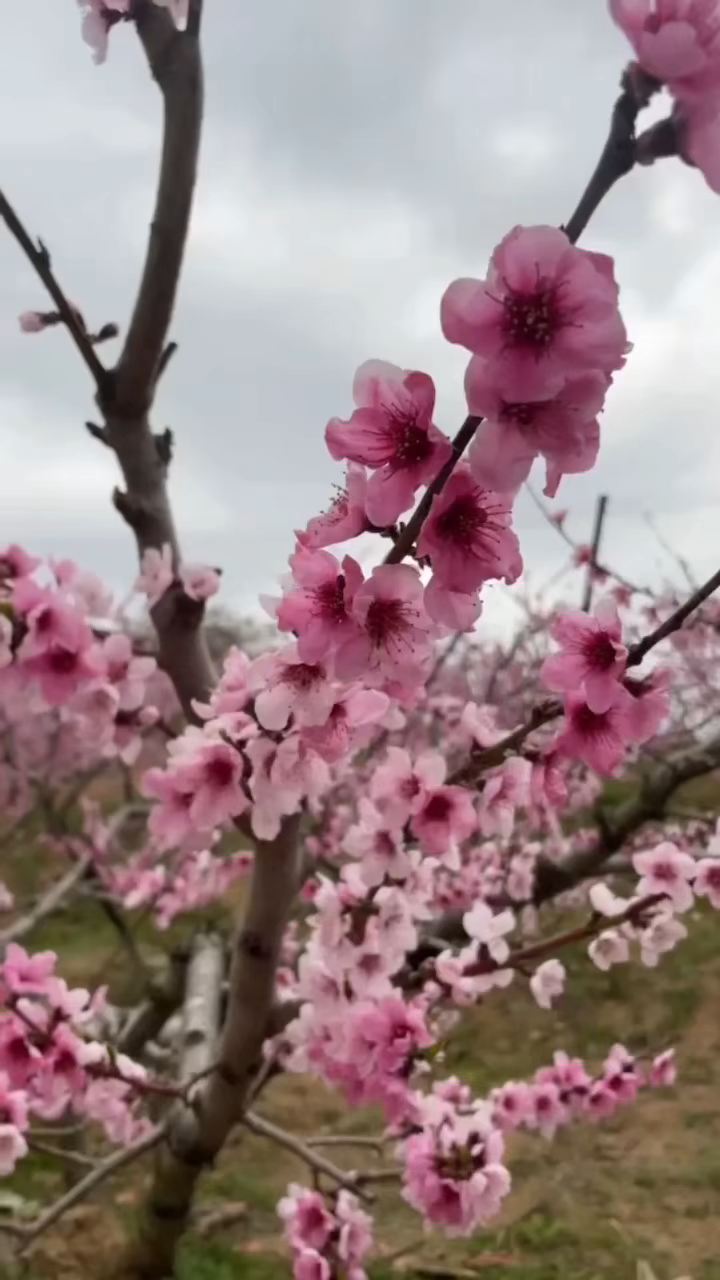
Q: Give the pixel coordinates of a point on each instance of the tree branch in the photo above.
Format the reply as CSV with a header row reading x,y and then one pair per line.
x,y
49,903
39,259
175,63
343,1178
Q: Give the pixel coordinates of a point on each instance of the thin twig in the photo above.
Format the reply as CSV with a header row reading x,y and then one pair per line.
x,y
343,1178
39,259
87,1184
49,903
72,1157
592,566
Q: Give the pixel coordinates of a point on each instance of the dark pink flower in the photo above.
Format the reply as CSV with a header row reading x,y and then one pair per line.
x,y
546,313
394,632
698,127
593,658
344,519
286,686
392,432
319,608
598,738
649,704
468,536
707,880
563,429
445,820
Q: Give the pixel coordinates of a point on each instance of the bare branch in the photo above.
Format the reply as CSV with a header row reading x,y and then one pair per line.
x,y
153,1013
201,1011
175,63
49,903
86,1185
592,567
343,1178
39,259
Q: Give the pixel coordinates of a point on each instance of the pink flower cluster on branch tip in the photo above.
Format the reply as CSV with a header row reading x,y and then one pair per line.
x,y
677,43
329,1236
546,336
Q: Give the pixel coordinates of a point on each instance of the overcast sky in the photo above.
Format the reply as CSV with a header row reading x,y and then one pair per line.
x,y
358,156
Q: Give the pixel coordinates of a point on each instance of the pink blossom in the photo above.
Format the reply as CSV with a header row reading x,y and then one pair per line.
x,y
593,658
698,129
663,1070
454,1174
99,17
609,948
512,1105
660,936
707,880
392,432
387,1036
548,1111
563,429
129,673
356,1236
34,321
286,686
489,928
546,313
24,974
344,519
599,739
675,41
548,982
648,707
318,609
394,633
308,1222
399,787
156,573
454,610
445,821
15,563
351,713
506,789
665,869
199,581
468,536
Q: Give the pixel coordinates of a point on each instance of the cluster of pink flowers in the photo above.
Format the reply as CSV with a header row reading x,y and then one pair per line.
x,y
49,1065
606,710
677,43
330,1237
546,336
559,1094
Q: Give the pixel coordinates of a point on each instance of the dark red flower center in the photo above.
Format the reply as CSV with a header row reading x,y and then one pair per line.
x,y
522,413
330,600
387,623
438,808
532,320
303,675
589,723
62,661
599,651
219,771
412,442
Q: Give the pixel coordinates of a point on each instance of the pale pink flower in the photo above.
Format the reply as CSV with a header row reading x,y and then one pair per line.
x,y
663,1070
356,1233
352,712
489,928
399,786
593,657
547,1109
660,936
512,1105
562,429
548,982
99,17
506,789
675,41
599,739
707,880
609,948
317,608
454,610
392,432
156,573
394,633
468,536
605,902
33,321
199,581
127,672
454,1174
648,707
286,686
666,869
345,517
546,313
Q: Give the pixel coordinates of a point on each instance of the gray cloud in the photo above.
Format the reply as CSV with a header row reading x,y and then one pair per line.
x,y
357,158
